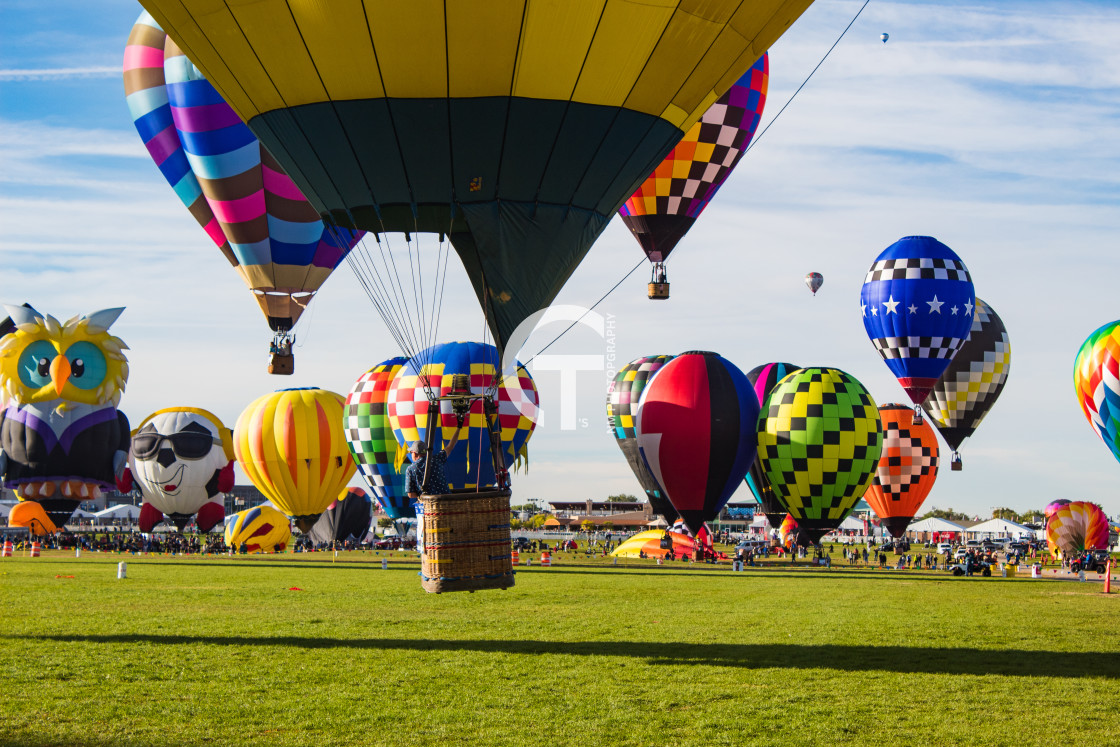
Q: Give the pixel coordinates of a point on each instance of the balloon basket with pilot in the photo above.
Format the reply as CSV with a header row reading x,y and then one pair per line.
x,y
464,537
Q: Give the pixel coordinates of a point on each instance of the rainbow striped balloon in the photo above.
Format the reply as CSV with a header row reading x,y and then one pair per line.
x,y
231,185
1075,527
1096,379
291,446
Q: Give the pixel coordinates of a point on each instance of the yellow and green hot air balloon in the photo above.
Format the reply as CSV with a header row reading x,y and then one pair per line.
x,y
290,444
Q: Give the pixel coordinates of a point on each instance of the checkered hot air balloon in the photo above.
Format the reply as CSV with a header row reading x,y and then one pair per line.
x,y
622,404
973,381
291,447
470,464
369,435
228,181
667,203
819,440
906,471
695,429
1096,379
764,378
1075,527
917,304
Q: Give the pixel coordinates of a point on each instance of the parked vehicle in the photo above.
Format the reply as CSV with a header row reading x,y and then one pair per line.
x,y
1095,561
981,567
944,548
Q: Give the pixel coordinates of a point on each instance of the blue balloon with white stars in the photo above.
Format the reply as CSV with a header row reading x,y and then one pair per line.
x,y
917,303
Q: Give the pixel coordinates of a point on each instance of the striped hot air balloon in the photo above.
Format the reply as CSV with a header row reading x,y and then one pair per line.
x,y
259,529
1075,527
291,446
1096,380
696,422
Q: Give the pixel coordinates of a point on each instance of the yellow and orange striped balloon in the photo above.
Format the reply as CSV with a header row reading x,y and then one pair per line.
x,y
290,445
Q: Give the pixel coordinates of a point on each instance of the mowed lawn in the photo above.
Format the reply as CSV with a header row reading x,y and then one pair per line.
x,y
216,650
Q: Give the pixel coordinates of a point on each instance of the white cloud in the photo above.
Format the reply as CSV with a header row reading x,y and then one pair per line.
x,y
59,73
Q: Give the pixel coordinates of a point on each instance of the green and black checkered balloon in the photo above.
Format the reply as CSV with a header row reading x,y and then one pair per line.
x,y
819,440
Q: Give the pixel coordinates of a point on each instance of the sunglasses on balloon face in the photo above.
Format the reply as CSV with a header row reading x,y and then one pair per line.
x,y
185,445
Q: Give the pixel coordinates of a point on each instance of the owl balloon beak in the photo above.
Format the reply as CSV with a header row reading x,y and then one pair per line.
x,y
60,373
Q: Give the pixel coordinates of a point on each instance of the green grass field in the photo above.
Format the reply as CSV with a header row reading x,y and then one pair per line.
x,y
217,650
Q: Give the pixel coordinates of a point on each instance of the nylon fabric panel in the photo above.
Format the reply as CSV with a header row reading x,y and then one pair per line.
x,y
278,44
425,147
336,35
482,46
533,127
575,147
554,40
282,133
410,39
677,406
616,150
477,129
728,429
627,34
367,123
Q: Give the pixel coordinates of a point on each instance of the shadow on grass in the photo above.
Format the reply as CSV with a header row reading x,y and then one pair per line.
x,y
902,659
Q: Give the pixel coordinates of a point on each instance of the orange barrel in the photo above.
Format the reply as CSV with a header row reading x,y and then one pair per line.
x,y
515,557
7,551
35,548
546,559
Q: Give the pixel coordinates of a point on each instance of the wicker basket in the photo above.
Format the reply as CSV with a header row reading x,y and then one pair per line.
x,y
466,542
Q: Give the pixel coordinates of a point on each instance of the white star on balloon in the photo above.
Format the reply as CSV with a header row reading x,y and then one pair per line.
x,y
935,305
913,309
968,308
954,310
862,308
890,303
874,311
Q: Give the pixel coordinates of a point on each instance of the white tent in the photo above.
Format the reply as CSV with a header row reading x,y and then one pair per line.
x,y
998,528
851,523
122,511
934,524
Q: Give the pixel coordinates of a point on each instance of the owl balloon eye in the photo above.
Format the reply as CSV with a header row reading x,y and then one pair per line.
x,y
87,365
35,364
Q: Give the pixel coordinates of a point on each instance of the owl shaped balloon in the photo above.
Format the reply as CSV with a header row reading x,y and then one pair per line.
x,y
182,460
61,435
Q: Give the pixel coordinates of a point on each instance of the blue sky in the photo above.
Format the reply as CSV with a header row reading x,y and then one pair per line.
x,y
993,126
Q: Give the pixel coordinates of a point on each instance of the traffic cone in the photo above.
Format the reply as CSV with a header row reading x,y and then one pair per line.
x,y
35,548
8,549
515,557
546,559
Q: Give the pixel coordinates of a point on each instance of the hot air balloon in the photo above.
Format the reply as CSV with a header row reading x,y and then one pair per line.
x,y
973,381
917,303
814,281
372,443
1076,527
884,36
515,129
763,378
258,529
791,535
622,404
1053,506
906,471
650,544
470,465
819,440
1096,379
291,447
695,428
670,200
232,186
348,517
182,461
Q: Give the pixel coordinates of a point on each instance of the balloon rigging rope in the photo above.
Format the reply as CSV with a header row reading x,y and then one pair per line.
x,y
754,141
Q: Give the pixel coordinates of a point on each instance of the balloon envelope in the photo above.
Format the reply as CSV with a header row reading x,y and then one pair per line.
x,y
650,541
670,200
1077,526
348,517
974,380
917,303
470,464
814,281
764,378
819,439
232,185
695,429
369,435
622,405
1096,380
291,447
906,470
516,128
259,529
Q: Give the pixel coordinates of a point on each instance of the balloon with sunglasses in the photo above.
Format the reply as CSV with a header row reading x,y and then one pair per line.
x,y
182,461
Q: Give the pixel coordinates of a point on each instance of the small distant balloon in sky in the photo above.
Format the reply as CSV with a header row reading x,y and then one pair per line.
x,y
884,36
814,280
